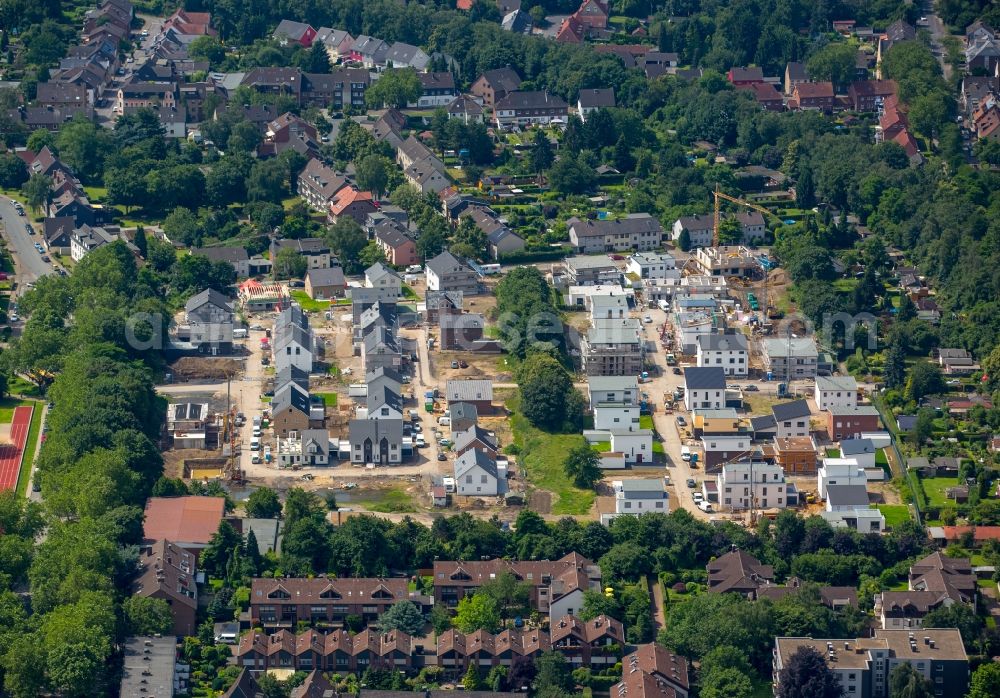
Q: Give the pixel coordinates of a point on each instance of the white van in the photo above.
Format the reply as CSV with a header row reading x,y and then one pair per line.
x,y
685,453
664,306
444,421
255,443
240,334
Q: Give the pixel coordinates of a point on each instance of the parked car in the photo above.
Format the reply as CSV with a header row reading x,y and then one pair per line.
x,y
647,319
691,483
454,364
444,442
677,371
463,364
295,283
45,258
751,388
705,506
681,422
441,456
698,497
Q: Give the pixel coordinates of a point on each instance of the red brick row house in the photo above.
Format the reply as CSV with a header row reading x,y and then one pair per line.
x,y
338,651
282,603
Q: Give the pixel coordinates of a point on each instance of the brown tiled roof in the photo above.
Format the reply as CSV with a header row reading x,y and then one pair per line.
x,y
737,570
188,519
655,659
588,631
639,684
567,574
167,568
321,590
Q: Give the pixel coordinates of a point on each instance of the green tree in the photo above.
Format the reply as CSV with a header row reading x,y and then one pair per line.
x,y
373,173
727,683
925,379
542,156
145,615
806,675
895,365
624,162
372,254
289,264
835,63
545,390
907,682
510,595
583,467
183,226
959,616
923,429
477,612
347,239
13,173
207,48
907,311
263,503
930,112
317,60
268,181
403,616
37,192
595,603
571,175
730,231
41,138
221,547
396,87
472,681
554,676
244,138
684,240
985,681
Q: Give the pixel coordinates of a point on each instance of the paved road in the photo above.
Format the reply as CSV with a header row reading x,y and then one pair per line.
x,y
664,381
28,262
938,31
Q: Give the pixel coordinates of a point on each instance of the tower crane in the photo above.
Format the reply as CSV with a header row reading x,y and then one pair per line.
x,y
719,196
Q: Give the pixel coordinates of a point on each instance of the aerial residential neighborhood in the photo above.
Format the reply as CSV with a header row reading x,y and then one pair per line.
x,y
597,349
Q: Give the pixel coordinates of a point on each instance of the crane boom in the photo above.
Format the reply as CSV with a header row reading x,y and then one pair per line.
x,y
718,198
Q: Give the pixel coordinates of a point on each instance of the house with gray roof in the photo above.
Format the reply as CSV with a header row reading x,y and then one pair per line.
x,y
378,441
308,448
791,358
637,497
464,416
475,437
291,374
478,392
385,375
403,55
382,277
846,497
293,345
380,349
446,272
477,475
792,418
591,99
324,284
730,351
383,402
291,410
209,316
639,232
704,388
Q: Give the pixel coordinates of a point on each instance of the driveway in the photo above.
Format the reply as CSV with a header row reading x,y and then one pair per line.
x,y
938,31
28,264
663,381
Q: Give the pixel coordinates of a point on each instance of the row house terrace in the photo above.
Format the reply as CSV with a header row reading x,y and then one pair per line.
x,y
338,651
598,642
282,603
457,650
557,587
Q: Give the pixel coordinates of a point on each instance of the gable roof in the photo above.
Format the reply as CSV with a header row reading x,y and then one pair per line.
x,y
210,297
705,378
784,411
737,570
290,396
332,276
463,439
847,495
505,79
597,98
474,458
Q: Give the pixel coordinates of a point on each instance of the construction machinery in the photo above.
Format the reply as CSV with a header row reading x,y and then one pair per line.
x,y
719,196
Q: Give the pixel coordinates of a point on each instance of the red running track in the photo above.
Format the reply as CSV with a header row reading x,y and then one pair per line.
x,y
10,454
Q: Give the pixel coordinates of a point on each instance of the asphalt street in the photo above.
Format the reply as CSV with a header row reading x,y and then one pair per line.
x,y
28,261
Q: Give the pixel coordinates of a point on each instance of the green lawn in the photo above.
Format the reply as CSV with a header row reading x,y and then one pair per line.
x,y
881,459
833,453
387,501
329,399
601,446
29,447
646,421
307,303
7,406
934,488
894,514
541,459
410,293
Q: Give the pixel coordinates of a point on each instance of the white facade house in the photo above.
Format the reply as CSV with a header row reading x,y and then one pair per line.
x,y
616,416
705,388
651,265
699,228
726,350
846,497
759,484
791,419
791,358
863,519
382,277
477,474
637,497
613,389
721,449
308,448
836,391
636,446
839,471
860,450
293,346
